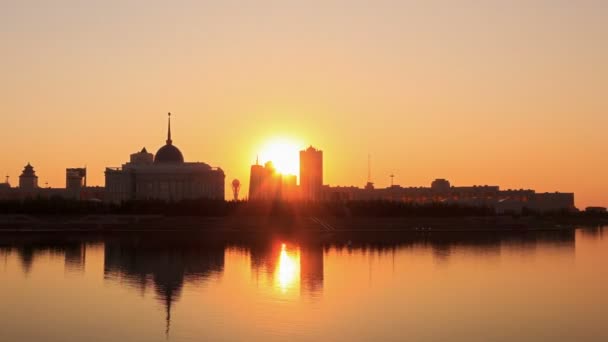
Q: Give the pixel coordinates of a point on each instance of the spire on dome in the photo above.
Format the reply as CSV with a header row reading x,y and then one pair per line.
x,y
169,141
169,153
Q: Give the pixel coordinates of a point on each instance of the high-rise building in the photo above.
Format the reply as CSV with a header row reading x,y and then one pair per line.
x,y
311,174
289,187
265,182
256,179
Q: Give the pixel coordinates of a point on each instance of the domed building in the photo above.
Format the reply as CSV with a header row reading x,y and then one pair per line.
x,y
164,176
169,154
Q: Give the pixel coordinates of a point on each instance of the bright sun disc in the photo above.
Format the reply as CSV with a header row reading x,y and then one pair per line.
x,y
284,154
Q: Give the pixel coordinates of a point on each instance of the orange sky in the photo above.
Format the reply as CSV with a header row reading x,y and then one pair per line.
x,y
512,94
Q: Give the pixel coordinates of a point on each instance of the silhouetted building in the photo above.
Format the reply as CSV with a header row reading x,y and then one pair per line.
x,y
28,181
265,183
553,201
257,175
596,210
76,187
5,190
289,187
440,185
75,181
441,191
143,157
311,174
6,183
93,193
164,177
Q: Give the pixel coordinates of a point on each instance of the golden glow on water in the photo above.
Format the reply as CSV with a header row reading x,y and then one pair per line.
x,y
531,287
287,274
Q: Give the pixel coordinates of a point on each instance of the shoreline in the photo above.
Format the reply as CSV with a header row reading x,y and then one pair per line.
x,y
296,224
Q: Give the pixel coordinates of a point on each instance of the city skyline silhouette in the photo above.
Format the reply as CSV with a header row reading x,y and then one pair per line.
x,y
168,176
489,93
320,170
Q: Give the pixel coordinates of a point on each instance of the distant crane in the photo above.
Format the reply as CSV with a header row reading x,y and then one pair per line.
x,y
236,187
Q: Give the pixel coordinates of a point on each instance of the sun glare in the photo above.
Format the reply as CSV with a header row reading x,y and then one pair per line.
x,y
288,269
284,154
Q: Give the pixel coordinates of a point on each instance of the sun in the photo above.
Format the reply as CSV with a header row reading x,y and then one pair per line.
x,y
284,154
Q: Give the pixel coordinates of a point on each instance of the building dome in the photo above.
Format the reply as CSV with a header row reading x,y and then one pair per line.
x,y
169,153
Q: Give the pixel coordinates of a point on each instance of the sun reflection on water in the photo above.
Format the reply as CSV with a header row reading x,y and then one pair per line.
x,y
288,270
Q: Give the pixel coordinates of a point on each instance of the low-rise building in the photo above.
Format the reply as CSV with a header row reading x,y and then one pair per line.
x,y
596,210
441,191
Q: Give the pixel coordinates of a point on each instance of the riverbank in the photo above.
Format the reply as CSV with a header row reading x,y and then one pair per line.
x,y
260,224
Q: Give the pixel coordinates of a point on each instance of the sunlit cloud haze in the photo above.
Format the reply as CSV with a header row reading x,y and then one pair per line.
x,y
511,93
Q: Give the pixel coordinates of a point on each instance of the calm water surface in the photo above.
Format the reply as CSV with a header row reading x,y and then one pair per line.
x,y
523,287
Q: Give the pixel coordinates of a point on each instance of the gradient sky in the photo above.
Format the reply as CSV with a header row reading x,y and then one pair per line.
x,y
513,93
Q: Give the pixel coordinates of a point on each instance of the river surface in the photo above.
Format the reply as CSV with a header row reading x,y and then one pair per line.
x,y
514,287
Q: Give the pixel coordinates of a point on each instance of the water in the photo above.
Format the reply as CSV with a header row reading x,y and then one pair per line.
x,y
521,287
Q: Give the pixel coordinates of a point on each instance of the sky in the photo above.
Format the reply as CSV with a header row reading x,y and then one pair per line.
x,y
511,93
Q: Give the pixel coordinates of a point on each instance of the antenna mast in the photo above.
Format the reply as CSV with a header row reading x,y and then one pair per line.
x,y
369,168
369,185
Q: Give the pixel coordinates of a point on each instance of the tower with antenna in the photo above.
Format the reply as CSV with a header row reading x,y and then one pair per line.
x,y
392,180
370,184
256,180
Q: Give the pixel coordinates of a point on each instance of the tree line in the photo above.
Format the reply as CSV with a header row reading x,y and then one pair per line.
x,y
203,207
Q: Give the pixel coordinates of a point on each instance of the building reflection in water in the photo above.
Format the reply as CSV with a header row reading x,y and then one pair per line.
x,y
311,270
288,265
73,252
443,245
492,244
162,265
593,232
166,265
75,257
